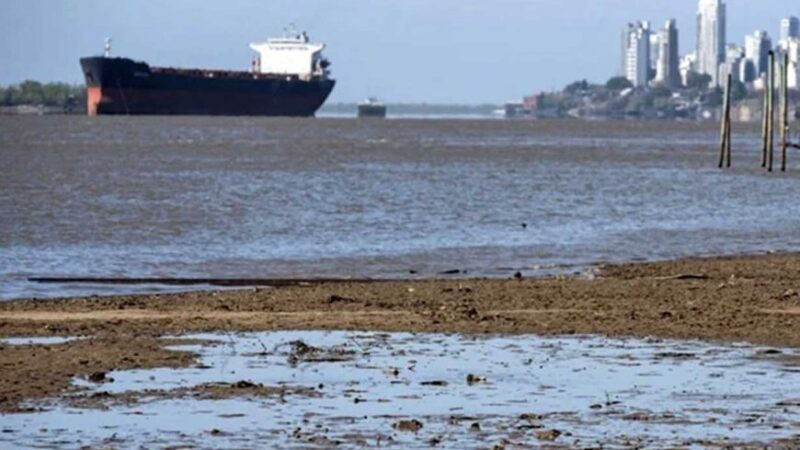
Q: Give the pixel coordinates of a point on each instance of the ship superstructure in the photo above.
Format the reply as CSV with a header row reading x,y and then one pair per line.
x,y
295,56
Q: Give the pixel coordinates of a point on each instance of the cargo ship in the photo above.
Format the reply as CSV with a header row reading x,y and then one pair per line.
x,y
288,77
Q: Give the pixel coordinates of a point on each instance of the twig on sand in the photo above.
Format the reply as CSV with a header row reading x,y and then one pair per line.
x,y
685,276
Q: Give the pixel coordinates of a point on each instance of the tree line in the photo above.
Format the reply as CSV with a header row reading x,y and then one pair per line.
x,y
46,94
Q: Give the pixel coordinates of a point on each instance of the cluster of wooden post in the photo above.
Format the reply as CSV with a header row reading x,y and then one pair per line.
x,y
768,121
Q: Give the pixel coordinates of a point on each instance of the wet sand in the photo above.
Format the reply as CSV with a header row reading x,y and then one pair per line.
x,y
345,389
753,299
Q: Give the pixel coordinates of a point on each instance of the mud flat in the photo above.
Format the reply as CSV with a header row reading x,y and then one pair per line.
x,y
699,352
322,389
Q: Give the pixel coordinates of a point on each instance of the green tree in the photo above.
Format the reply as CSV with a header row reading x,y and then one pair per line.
x,y
618,84
35,93
548,101
661,91
695,80
577,86
714,98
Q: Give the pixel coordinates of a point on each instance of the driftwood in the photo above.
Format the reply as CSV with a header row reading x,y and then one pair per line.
x,y
224,282
685,276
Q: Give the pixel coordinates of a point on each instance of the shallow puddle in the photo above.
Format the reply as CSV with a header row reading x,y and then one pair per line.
x,y
452,391
39,340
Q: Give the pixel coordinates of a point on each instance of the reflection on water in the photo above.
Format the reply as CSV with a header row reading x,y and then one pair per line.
x,y
246,197
595,392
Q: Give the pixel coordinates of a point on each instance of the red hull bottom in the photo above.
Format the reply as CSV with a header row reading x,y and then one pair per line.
x,y
102,101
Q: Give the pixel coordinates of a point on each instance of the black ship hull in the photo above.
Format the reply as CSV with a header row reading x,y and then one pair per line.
x,y
121,86
374,111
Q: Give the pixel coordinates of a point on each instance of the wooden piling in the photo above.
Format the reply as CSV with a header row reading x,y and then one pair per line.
x,y
728,140
724,127
784,109
764,128
771,110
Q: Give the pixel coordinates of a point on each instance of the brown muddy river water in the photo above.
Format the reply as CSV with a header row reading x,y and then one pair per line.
x,y
245,197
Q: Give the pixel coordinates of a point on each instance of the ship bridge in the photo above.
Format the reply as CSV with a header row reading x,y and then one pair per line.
x,y
290,56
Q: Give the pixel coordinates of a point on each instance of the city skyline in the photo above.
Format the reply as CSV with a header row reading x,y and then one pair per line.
x,y
411,52
649,57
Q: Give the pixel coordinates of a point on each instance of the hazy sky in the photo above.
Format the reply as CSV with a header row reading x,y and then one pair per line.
x,y
453,51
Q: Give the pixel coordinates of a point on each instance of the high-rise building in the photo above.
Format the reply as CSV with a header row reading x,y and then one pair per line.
x,y
655,51
747,71
757,47
688,65
734,60
793,49
637,56
668,64
790,28
710,38
625,42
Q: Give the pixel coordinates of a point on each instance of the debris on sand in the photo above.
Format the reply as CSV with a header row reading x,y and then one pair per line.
x,y
450,272
99,377
475,379
302,352
685,276
548,435
674,355
412,425
339,299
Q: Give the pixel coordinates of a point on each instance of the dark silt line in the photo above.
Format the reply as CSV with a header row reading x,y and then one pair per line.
x,y
227,282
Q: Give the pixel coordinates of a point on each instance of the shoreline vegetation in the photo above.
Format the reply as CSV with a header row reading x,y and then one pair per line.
x,y
753,299
34,97
616,99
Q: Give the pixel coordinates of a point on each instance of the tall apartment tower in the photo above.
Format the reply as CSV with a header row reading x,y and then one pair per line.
x,y
756,50
790,27
710,38
625,42
637,55
668,65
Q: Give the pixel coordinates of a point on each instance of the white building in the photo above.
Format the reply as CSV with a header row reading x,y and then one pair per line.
x,y
734,59
793,49
790,28
637,60
668,63
655,50
688,64
710,38
756,50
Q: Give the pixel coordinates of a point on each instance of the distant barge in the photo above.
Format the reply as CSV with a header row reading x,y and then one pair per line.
x,y
371,108
290,77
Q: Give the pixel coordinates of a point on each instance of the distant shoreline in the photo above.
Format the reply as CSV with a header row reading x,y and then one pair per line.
x,y
38,110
